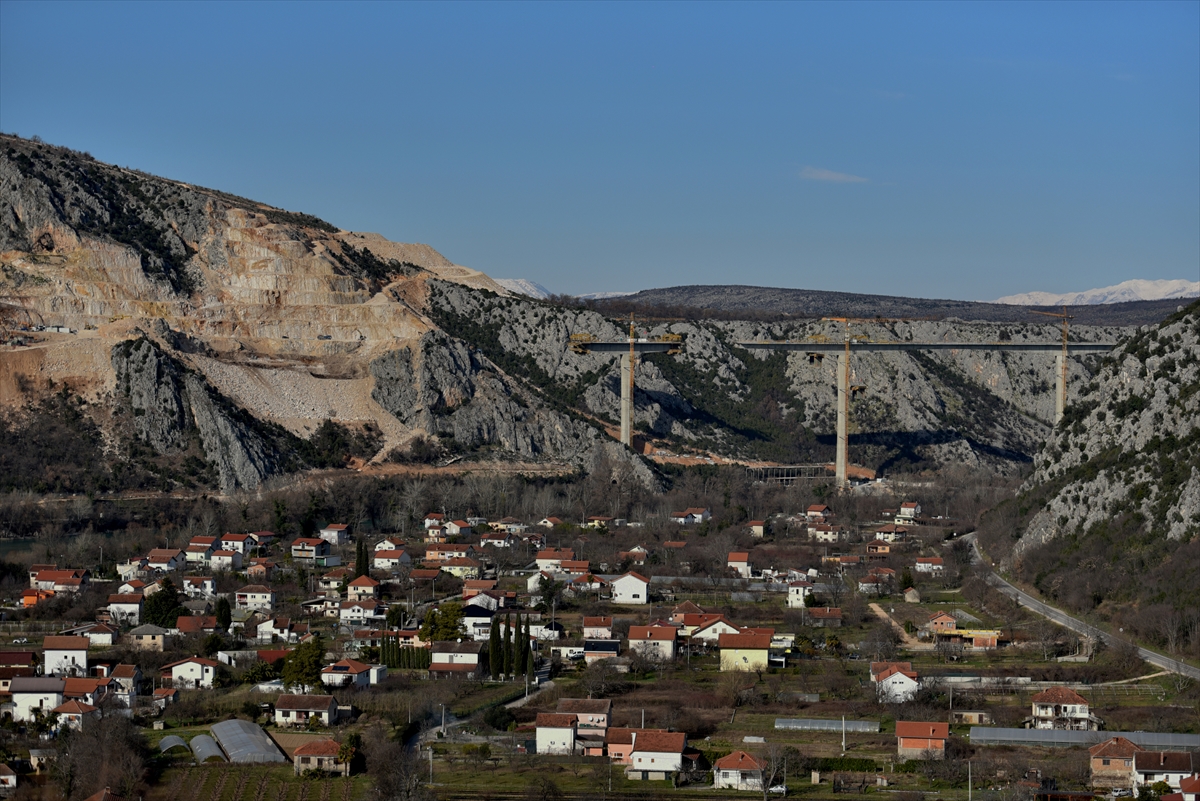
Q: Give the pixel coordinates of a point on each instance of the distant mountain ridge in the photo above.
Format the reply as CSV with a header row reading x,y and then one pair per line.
x,y
522,286
812,303
1137,289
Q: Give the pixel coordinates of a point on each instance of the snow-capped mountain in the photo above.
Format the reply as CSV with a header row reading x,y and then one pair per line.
x,y
1137,289
521,286
603,295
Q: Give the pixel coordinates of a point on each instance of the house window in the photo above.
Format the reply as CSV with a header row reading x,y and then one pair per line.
x,y
1105,762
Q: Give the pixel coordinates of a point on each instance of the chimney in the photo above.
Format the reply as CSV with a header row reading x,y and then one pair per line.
x,y
633,741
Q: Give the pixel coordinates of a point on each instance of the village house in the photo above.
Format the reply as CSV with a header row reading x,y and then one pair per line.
x,y
226,561
436,535
891,533
744,651
192,673
552,558
72,713
738,771
35,696
921,740
1172,767
362,588
909,511
165,560
390,560
473,587
825,617
319,755
757,528
199,586
439,554
942,621
929,564
878,549
817,513
65,656
656,755
351,673
360,612
1062,708
631,588
598,522
197,624
241,543
496,539
739,562
691,516
125,609
462,567
824,533
255,597
895,682
597,628
309,548
335,534
434,519
389,544
592,715
1112,763
466,659
296,710
798,593
457,528
653,642
331,583
710,630
150,637
618,743
555,733
198,553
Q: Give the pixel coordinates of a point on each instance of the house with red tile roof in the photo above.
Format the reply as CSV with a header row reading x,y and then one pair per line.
x,y
921,740
1112,763
319,755
738,771
1062,708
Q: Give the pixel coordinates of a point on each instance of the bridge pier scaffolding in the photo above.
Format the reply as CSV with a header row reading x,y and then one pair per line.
x,y
627,400
820,346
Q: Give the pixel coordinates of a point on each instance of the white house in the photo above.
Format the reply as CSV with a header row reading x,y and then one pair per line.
x,y
691,516
198,553
255,597
739,562
457,528
798,592
896,684
909,511
228,561
72,713
597,628
456,659
1172,767
336,533
362,588
125,608
351,673
199,586
555,733
390,544
655,642
710,631
497,539
817,513
929,564
242,543
552,558
297,710
534,582
738,771
360,612
65,656
631,588
166,560
656,754
35,694
434,519
390,559
191,673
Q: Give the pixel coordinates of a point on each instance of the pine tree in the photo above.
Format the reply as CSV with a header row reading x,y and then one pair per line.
x,y
494,657
508,647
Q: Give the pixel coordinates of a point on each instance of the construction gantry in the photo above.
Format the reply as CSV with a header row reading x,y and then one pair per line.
x,y
629,349
820,345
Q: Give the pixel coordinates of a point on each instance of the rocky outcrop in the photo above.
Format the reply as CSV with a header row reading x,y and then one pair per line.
x,y
447,388
1129,446
170,403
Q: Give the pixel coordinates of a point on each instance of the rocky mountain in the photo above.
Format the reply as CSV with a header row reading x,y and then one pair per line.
x,y
521,286
191,337
1115,491
1123,292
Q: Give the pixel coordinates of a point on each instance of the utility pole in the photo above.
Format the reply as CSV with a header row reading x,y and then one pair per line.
x,y
431,763
843,735
968,780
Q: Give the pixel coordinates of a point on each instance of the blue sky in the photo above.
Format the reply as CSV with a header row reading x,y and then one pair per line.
x,y
965,150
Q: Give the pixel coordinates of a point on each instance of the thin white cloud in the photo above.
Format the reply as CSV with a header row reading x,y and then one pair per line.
x,y
829,176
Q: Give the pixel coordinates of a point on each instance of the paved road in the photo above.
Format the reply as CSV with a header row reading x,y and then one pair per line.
x,y
1074,624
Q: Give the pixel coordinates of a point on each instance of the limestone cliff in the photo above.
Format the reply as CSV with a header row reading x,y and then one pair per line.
x,y
1130,444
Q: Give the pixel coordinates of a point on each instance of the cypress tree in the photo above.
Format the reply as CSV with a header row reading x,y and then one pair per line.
x,y
494,657
508,647
523,646
529,670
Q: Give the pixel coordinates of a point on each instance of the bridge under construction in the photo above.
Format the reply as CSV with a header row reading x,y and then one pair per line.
x,y
817,347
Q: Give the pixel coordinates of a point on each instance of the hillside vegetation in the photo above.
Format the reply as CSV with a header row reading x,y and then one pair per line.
x,y
1109,520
